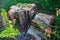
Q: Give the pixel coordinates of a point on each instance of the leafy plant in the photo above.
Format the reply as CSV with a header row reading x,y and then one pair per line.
x,y
5,18
57,20
9,31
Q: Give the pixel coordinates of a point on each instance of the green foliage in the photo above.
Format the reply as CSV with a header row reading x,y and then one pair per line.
x,y
7,3
9,31
56,27
5,18
57,20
